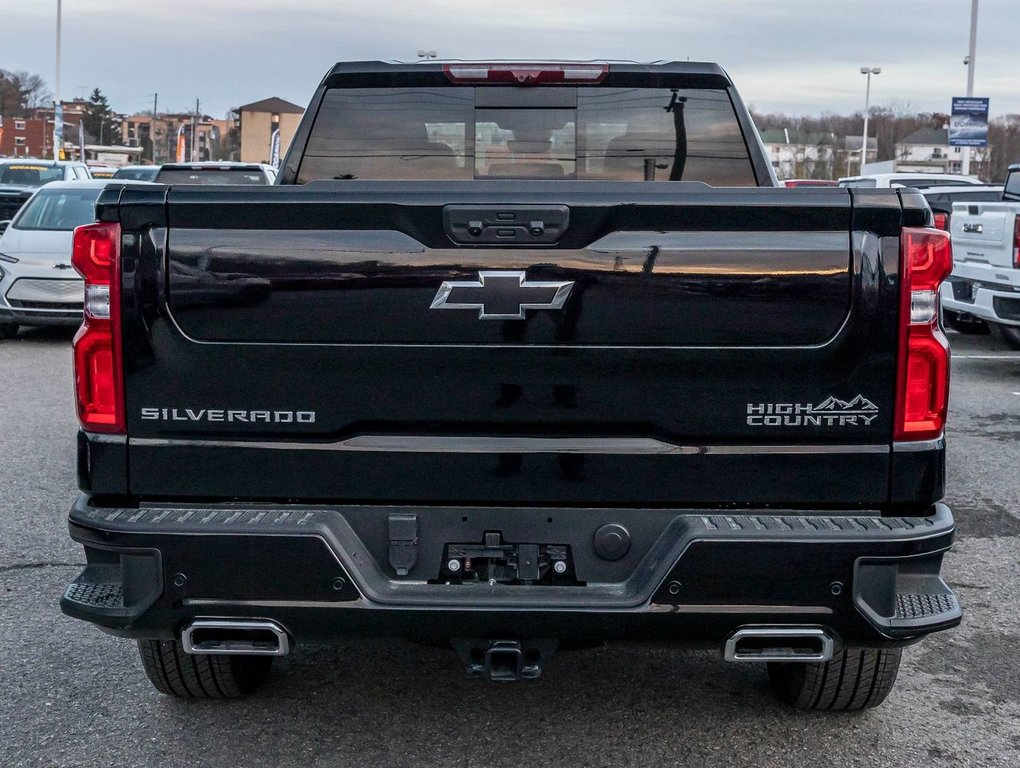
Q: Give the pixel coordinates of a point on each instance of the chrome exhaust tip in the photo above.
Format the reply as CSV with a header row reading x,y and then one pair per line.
x,y
255,637
787,644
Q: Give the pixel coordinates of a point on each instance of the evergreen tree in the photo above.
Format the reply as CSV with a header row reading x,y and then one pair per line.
x,y
101,125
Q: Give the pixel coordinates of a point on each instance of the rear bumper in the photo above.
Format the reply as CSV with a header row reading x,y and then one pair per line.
x,y
691,577
66,318
991,302
39,307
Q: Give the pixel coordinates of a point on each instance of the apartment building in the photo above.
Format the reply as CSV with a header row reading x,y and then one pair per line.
x,y
157,137
256,123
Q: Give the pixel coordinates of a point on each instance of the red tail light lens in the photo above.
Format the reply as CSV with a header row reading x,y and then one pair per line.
x,y
526,74
922,396
942,221
98,369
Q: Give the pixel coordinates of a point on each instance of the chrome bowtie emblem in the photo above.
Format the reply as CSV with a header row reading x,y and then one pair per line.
x,y
501,295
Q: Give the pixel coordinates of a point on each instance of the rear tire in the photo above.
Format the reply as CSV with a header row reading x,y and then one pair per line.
x,y
966,324
1011,335
189,676
854,679
8,330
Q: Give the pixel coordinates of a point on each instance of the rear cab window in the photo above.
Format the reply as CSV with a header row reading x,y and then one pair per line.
x,y
1012,188
543,132
212,175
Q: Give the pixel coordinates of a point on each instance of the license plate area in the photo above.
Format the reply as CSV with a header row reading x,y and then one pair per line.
x,y
963,290
496,561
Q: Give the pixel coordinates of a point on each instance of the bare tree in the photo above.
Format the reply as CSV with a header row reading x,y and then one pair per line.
x,y
21,92
1003,146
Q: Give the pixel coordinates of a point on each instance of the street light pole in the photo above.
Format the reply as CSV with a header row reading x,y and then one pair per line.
x,y
58,127
965,166
869,71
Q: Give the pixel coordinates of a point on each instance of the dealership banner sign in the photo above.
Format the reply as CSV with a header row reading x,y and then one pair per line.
x,y
968,125
58,131
182,145
274,148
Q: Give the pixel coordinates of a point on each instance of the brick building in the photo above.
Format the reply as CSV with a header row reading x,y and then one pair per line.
x,y
32,136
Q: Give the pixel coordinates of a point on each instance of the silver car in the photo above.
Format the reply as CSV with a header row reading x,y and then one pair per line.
x,y
37,283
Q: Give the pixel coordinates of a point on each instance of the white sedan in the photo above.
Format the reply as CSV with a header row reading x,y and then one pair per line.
x,y
37,283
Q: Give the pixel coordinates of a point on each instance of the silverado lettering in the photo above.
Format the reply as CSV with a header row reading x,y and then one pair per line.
x,y
217,414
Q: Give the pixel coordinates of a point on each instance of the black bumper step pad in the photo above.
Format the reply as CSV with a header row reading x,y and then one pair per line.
x,y
117,589
914,606
99,595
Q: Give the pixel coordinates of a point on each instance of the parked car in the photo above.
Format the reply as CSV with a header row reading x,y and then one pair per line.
x,y
37,284
137,172
985,283
253,174
535,392
915,180
809,183
20,178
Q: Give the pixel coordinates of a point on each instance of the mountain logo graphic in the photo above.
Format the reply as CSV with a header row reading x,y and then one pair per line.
x,y
859,404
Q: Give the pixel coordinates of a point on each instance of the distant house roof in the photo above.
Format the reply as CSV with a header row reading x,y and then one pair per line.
x,y
931,137
273,104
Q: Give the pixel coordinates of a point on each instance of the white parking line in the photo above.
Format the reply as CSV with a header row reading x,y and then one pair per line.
x,y
987,357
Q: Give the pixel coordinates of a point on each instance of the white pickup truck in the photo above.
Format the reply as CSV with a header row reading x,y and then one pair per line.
x,y
985,283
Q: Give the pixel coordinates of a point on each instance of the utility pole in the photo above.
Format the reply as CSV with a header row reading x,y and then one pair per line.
x,y
965,166
869,71
194,130
152,126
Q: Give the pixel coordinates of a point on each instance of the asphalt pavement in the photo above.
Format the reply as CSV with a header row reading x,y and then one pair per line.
x,y
73,696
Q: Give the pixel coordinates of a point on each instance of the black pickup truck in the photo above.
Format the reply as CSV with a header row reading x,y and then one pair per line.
x,y
516,357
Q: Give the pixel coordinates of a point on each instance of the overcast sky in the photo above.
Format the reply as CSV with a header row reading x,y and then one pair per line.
x,y
797,56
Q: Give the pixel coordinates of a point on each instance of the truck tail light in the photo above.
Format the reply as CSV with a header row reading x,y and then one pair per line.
x,y
526,74
98,369
942,221
922,393
1016,242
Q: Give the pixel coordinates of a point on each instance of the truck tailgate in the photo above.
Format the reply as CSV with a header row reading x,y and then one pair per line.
x,y
983,233
345,343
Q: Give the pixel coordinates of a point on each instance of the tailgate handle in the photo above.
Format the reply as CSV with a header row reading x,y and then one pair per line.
x,y
973,228
505,225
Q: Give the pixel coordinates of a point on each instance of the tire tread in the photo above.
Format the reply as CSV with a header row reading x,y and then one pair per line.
x,y
193,676
855,679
